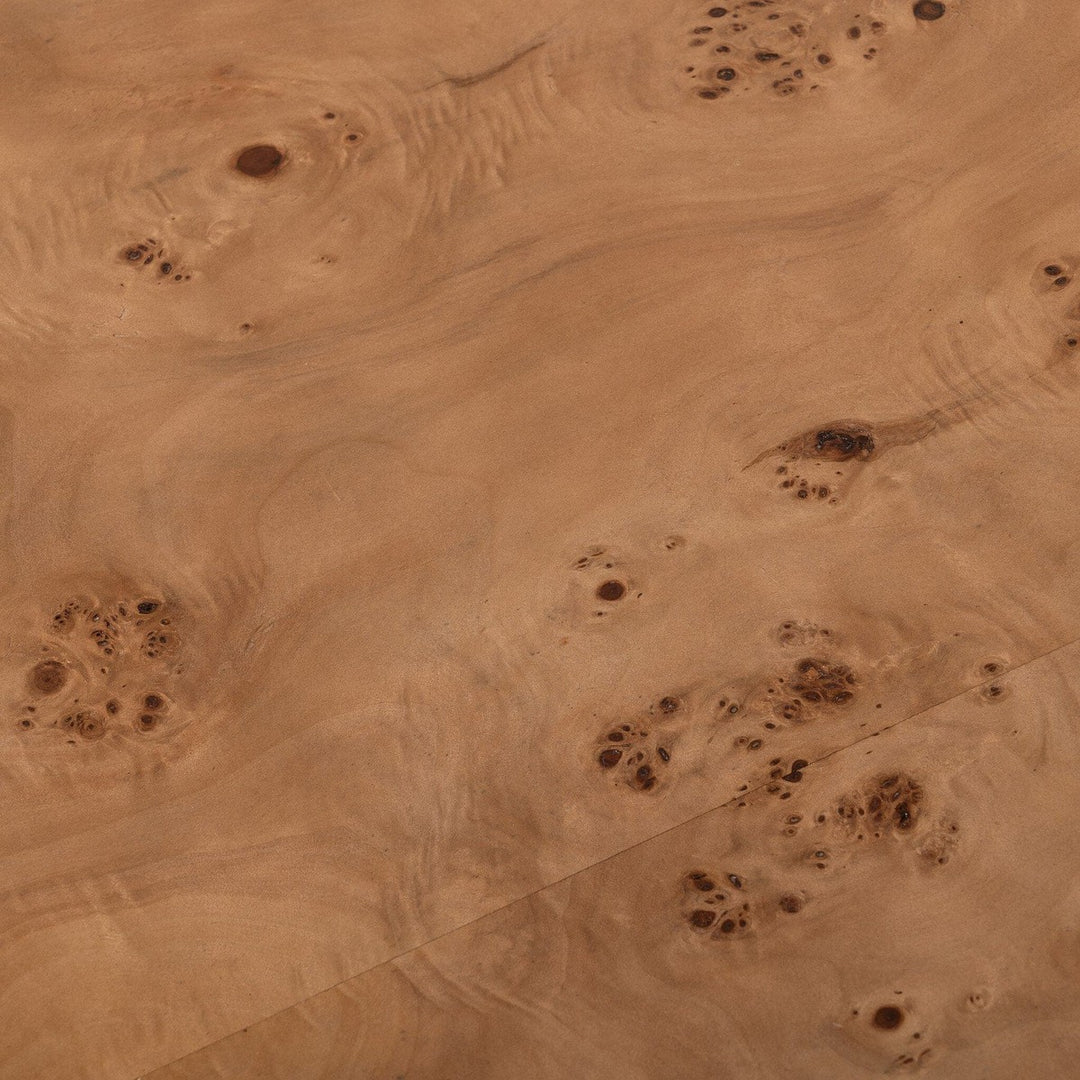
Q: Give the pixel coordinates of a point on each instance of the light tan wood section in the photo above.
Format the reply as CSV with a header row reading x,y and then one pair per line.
x,y
451,456
907,907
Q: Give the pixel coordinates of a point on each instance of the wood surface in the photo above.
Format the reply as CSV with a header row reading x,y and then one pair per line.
x,y
539,542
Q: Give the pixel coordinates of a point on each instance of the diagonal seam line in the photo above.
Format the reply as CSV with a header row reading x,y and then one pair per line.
x,y
607,858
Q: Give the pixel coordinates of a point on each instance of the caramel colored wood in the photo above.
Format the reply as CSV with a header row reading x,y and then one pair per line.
x,y
939,943
473,476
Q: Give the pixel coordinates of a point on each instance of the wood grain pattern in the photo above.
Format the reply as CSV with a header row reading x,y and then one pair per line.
x,y
473,477
863,943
